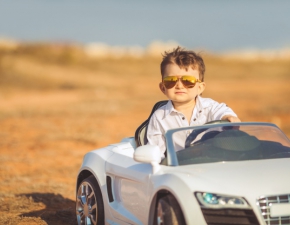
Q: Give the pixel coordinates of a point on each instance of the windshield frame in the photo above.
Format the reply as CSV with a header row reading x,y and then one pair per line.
x,y
171,153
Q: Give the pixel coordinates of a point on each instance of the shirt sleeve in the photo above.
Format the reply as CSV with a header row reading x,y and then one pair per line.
x,y
219,110
155,135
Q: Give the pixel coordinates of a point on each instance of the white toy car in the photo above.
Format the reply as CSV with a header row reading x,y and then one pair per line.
x,y
220,173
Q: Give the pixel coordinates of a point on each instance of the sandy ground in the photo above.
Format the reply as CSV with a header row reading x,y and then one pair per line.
x,y
44,134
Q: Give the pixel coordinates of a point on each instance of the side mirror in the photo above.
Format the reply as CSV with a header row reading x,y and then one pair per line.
x,y
147,154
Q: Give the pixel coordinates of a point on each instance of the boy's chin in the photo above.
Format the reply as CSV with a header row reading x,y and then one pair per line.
x,y
181,101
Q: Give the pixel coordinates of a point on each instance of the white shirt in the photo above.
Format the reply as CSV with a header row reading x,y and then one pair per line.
x,y
166,117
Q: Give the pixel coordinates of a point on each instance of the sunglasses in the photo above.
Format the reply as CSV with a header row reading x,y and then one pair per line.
x,y
187,81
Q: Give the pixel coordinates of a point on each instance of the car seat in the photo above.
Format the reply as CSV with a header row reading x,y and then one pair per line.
x,y
141,132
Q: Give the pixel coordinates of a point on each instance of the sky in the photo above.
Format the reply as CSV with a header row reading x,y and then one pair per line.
x,y
214,25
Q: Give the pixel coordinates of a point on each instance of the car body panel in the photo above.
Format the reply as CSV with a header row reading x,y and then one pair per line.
x,y
135,186
130,186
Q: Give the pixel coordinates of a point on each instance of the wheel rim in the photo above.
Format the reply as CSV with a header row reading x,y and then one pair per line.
x,y
160,214
86,206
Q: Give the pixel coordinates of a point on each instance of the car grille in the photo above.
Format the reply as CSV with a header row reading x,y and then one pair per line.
x,y
229,216
264,202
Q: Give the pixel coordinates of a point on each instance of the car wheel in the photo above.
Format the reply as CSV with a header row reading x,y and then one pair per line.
x,y
168,212
89,203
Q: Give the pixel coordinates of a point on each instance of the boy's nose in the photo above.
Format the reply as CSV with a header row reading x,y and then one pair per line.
x,y
179,84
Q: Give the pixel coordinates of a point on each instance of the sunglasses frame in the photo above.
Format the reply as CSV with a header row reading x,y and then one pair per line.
x,y
182,81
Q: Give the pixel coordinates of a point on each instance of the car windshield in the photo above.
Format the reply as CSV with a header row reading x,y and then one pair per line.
x,y
226,142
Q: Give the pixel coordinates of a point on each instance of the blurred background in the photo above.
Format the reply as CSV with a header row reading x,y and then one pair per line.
x,y
79,75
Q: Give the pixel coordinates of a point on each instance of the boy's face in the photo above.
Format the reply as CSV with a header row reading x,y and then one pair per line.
x,y
179,93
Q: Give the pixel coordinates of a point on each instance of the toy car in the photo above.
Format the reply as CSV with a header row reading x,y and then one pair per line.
x,y
219,173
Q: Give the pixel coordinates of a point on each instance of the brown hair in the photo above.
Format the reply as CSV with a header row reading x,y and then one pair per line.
x,y
184,59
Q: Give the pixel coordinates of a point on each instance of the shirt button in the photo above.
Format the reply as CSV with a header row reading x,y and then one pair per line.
x,y
183,118
194,119
200,111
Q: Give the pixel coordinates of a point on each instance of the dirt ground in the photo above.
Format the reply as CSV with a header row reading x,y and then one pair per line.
x,y
54,109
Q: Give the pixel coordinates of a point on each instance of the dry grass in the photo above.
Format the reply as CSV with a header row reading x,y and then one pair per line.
x,y
56,104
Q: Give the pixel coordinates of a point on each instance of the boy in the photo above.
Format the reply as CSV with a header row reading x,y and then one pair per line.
x,y
182,74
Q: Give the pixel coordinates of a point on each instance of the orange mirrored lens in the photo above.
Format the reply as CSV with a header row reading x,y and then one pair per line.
x,y
170,82
187,81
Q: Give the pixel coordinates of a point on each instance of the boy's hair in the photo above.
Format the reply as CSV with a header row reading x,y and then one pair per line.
x,y
184,59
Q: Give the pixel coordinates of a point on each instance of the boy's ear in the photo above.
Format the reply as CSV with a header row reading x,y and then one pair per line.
x,y
201,88
162,88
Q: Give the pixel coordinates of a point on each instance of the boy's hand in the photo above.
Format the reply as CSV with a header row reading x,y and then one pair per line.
x,y
232,119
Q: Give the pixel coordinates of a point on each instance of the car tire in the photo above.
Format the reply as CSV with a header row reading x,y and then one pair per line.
x,y
89,203
168,211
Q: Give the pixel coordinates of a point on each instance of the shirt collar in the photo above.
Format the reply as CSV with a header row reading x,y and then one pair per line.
x,y
169,106
198,104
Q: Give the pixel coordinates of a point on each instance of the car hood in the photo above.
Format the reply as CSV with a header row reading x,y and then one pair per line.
x,y
255,177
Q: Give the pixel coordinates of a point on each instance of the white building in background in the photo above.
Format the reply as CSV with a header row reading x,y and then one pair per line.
x,y
255,54
102,50
156,48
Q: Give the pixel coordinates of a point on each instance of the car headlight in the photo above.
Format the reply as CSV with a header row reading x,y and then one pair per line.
x,y
211,200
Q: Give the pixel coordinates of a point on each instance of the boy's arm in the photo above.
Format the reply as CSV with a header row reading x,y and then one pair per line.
x,y
231,118
220,111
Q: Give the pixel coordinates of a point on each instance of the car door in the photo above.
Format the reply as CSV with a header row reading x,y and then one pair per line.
x,y
129,183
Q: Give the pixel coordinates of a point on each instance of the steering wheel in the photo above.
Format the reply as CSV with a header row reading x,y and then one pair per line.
x,y
195,133
217,121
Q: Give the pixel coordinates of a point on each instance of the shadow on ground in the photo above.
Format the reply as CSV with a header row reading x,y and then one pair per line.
x,y
58,210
